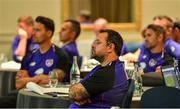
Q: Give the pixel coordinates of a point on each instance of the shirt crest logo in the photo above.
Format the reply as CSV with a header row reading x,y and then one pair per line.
x,y
49,62
172,49
152,62
32,63
144,56
143,65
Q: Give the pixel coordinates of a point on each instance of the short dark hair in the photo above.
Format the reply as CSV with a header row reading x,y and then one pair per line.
x,y
157,29
75,26
176,25
48,23
115,38
28,20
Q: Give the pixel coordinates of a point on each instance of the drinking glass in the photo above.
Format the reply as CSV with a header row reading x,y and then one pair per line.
x,y
3,58
53,78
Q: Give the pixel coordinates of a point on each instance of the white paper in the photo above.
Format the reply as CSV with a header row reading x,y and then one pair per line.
x,y
11,65
34,87
41,90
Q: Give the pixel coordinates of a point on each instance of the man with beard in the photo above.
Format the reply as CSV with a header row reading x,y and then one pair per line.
x,y
151,52
107,83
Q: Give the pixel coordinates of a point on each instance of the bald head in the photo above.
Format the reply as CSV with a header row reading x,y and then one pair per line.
x,y
99,24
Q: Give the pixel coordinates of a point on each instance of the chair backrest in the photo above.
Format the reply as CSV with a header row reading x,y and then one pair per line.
x,y
161,97
126,103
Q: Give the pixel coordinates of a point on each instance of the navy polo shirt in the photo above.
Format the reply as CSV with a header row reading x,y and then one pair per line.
x,y
106,85
71,50
37,63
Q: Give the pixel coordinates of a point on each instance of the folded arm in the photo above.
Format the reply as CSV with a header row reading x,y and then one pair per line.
x,y
22,78
79,94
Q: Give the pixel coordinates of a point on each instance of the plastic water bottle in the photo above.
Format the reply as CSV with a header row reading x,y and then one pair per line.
x,y
74,72
138,80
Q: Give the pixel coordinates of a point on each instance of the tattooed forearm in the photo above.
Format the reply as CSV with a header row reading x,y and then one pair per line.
x,y
77,92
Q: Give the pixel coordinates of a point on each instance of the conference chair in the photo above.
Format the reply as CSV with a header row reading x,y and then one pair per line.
x,y
126,103
161,97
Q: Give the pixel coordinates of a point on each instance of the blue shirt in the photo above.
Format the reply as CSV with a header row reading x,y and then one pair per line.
x,y
172,48
106,86
29,47
71,50
37,63
124,49
149,61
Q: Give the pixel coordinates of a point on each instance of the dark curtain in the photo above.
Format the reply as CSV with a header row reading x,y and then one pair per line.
x,y
113,10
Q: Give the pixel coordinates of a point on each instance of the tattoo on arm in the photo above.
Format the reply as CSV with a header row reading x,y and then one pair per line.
x,y
77,92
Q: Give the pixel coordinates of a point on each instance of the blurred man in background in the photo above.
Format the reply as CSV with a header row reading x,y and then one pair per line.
x,y
84,17
68,34
23,42
176,31
100,24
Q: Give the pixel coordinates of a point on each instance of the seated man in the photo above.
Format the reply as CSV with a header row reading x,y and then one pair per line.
x,y
23,43
37,64
151,52
107,83
68,34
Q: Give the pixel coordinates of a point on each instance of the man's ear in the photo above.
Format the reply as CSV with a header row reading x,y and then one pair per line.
x,y
111,47
177,30
49,33
160,38
73,34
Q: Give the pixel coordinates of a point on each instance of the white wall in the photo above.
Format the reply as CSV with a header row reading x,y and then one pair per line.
x,y
151,8
10,10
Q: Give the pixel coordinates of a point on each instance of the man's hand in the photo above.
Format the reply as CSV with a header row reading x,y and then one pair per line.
x,y
42,79
130,57
22,74
22,33
158,70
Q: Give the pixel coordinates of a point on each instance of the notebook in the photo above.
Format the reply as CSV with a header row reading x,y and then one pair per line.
x,y
170,76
